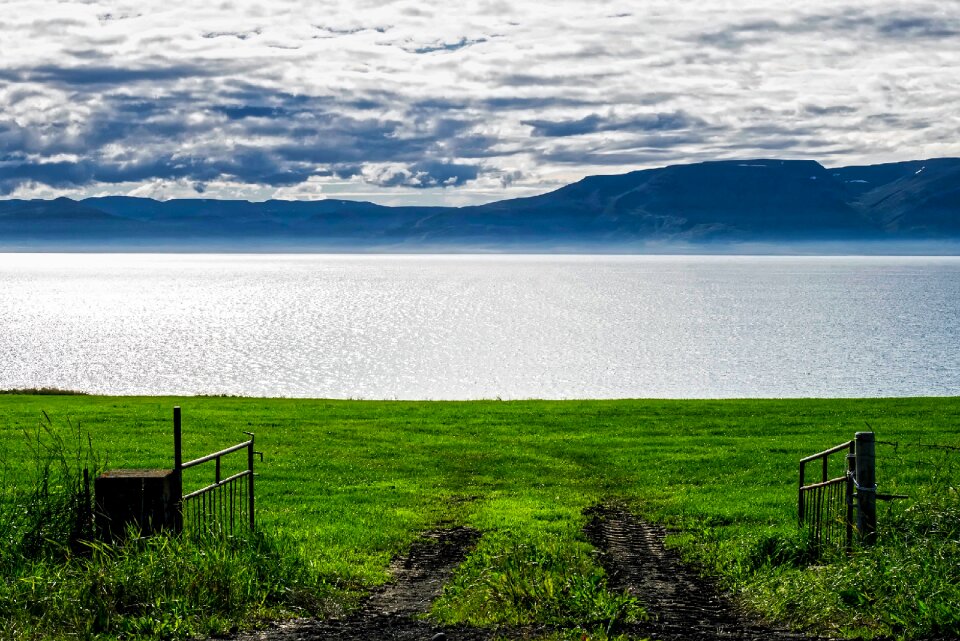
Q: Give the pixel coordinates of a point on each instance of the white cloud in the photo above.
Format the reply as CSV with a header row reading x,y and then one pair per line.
x,y
331,97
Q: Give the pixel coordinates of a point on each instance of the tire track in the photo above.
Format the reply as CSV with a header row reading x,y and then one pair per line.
x,y
389,613
682,605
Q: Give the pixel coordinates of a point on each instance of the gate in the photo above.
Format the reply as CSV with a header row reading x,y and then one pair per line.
x,y
827,506
223,505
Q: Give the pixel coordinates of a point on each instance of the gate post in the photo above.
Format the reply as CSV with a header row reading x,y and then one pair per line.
x,y
866,483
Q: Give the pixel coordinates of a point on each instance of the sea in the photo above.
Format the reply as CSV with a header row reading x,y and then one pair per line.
x,y
481,326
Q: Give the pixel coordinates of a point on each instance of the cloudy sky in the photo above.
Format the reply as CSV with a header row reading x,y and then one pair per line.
x,y
454,103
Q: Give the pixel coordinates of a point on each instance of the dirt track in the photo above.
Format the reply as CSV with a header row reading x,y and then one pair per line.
x,y
389,613
683,607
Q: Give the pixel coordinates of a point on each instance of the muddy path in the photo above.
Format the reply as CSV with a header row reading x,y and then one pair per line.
x,y
390,612
683,606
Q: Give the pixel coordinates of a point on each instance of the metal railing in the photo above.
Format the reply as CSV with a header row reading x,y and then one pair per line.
x,y
227,502
826,506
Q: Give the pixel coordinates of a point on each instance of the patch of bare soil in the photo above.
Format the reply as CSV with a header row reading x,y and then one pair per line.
x,y
682,605
389,614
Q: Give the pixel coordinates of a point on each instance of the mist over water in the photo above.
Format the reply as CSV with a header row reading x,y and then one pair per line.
x,y
460,327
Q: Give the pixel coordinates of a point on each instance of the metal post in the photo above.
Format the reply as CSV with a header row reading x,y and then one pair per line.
x,y
800,499
851,470
177,489
866,483
250,467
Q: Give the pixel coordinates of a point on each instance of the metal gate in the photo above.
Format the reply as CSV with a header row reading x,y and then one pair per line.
x,y
826,506
225,504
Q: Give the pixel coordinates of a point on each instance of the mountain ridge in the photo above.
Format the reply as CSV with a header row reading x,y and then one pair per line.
x,y
730,201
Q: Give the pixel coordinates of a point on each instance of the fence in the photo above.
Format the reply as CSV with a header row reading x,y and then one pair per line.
x,y
223,505
827,506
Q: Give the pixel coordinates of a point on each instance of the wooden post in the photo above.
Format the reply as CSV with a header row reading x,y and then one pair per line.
x,y
177,489
866,481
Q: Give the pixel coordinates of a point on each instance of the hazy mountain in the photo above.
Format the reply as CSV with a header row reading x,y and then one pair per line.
x,y
750,201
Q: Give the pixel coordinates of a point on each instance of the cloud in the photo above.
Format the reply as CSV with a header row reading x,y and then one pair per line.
x,y
105,75
448,46
892,23
423,175
595,123
493,99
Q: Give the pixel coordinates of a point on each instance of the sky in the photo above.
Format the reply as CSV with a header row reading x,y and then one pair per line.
x,y
444,103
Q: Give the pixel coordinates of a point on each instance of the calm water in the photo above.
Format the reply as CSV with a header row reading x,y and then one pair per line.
x,y
451,327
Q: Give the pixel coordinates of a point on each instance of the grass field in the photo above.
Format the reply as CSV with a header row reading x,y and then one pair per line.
x,y
351,483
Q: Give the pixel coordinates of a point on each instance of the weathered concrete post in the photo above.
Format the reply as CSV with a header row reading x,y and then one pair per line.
x,y
142,498
866,482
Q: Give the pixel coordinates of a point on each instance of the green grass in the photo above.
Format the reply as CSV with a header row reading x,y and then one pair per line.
x,y
157,588
351,483
519,581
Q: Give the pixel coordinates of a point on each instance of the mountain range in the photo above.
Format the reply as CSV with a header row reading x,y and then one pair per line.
x,y
703,205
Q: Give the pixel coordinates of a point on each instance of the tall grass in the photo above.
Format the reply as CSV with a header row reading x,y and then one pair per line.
x,y
50,514
57,581
160,587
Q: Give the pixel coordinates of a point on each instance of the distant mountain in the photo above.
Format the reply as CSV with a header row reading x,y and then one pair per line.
x,y
710,203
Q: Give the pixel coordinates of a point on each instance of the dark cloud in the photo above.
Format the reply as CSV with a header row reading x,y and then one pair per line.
x,y
507,178
834,110
249,165
239,112
449,46
917,27
240,35
558,80
739,35
577,157
427,174
596,123
107,75
296,137
888,25
525,103
334,32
